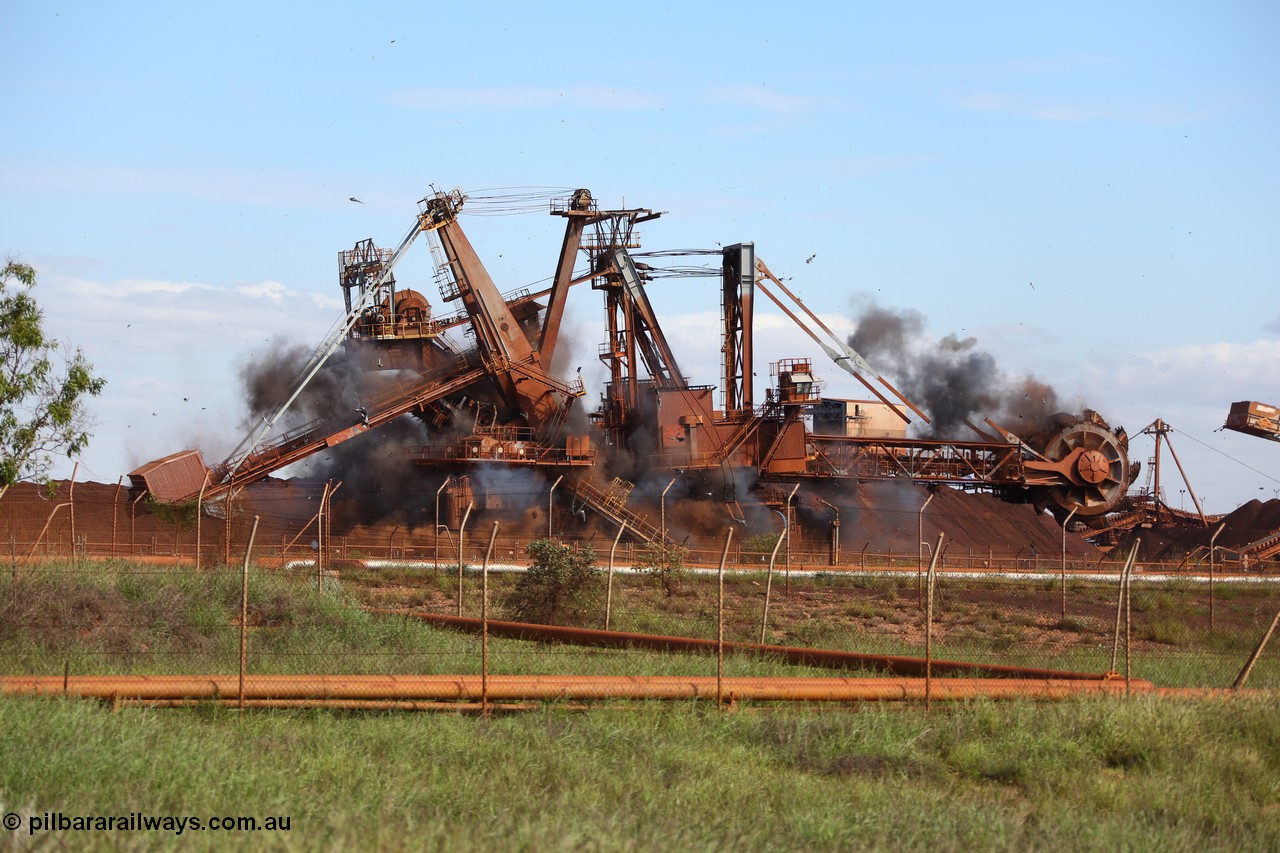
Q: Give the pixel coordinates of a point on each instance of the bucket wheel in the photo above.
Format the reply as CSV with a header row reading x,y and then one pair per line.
x,y
1092,466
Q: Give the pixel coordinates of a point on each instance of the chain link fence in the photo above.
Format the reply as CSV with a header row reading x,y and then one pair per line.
x,y
103,583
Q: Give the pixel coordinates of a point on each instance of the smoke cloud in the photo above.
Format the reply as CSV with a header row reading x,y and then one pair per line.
x,y
377,479
267,379
950,378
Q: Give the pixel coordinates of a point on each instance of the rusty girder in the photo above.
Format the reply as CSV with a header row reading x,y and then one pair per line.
x,y
935,461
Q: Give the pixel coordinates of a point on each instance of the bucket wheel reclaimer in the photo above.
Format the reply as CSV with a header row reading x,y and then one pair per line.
x,y
1092,467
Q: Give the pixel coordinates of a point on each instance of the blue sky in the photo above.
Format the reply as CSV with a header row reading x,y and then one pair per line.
x,y
1091,192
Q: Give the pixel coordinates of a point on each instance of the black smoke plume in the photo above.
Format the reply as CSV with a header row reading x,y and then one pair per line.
x,y
267,379
951,379
378,481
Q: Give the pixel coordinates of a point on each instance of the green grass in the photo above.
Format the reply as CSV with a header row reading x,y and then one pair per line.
x,y
119,618
1139,773
1097,774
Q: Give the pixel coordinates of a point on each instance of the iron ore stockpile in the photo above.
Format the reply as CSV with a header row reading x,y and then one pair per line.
x,y
416,417
1249,529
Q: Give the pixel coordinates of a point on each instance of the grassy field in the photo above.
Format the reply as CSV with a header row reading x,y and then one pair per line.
x,y
1101,774
1139,773
118,617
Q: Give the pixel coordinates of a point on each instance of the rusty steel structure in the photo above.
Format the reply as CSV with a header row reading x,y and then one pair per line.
x,y
495,400
1253,418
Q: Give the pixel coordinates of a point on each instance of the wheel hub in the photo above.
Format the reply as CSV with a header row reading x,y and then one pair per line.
x,y
1093,467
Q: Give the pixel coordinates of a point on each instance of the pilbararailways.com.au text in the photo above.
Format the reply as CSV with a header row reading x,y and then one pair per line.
x,y
140,822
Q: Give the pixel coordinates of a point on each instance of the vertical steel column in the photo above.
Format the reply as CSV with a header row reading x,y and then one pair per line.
x,y
738,274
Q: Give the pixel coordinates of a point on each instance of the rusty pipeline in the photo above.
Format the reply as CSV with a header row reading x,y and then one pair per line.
x,y
825,658
468,688
479,708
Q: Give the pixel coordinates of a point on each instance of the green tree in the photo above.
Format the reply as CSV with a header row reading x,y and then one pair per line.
x,y
560,586
43,386
665,563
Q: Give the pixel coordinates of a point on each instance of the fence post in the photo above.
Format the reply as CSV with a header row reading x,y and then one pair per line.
x,y
551,497
328,528
199,516
720,622
1212,540
462,528
484,625
928,625
920,549
133,524
608,595
768,582
786,587
435,535
1120,593
115,513
1063,615
1128,628
324,497
244,609
1257,653
71,500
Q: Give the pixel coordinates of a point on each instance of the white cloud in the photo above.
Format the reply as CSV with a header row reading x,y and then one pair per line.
x,y
170,352
270,290
1182,368
1191,387
139,315
132,287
